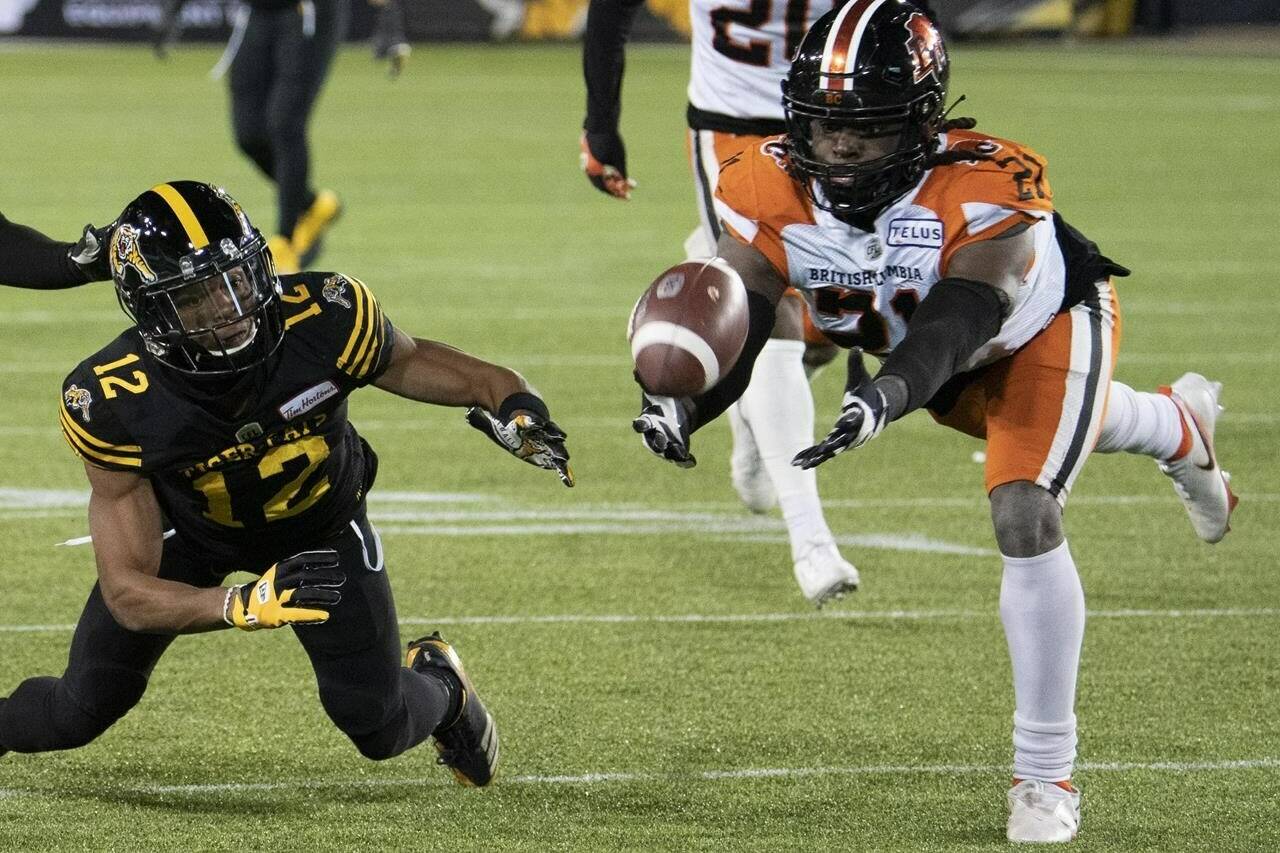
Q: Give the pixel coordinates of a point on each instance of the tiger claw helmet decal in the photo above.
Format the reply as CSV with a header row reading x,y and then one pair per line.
x,y
125,253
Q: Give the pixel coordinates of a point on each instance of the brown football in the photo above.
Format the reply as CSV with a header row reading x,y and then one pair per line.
x,y
688,328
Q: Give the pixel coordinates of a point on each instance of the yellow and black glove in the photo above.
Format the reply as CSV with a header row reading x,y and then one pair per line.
x,y
530,435
296,591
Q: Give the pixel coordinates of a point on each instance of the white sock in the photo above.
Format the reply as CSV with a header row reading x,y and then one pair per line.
x,y
1042,608
1139,422
778,405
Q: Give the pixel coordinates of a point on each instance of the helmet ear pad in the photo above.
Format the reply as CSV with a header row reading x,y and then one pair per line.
x,y
893,77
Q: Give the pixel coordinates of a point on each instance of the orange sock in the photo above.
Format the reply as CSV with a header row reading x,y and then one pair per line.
x,y
1065,784
1184,446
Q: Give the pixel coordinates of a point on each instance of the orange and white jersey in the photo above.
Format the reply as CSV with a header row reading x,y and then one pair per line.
x,y
863,286
742,50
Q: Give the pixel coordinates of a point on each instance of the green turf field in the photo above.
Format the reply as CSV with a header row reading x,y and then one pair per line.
x,y
657,678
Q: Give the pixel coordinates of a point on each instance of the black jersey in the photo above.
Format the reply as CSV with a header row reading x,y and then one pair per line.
x,y
263,484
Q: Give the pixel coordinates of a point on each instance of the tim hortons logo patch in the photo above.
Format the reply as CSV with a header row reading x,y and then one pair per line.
x,y
926,233
308,400
79,399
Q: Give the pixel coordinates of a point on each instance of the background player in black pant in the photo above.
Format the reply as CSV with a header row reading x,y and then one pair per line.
x,y
281,59
223,413
30,259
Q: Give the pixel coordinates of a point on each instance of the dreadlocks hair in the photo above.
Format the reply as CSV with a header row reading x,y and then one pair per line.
x,y
946,158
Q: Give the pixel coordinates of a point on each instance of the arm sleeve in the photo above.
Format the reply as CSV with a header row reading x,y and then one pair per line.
x,y
710,405
32,260
954,319
608,25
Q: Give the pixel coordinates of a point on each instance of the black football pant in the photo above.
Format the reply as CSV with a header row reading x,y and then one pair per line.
x,y
383,707
275,77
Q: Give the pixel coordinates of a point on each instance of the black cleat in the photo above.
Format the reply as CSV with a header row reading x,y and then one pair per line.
x,y
468,744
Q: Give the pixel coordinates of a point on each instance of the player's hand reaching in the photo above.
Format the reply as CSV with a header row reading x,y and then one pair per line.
x,y
296,591
90,252
527,435
604,159
663,424
863,414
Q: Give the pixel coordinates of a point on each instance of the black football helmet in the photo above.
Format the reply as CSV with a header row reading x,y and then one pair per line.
x,y
878,68
197,279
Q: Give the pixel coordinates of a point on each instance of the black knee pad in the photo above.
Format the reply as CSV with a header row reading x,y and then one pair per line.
x,y
376,731
101,697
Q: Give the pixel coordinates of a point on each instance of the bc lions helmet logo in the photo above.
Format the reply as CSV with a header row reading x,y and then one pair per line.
x,y
125,253
78,398
928,54
335,290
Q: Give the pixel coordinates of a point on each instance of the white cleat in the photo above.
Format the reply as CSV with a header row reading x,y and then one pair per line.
x,y
822,573
746,468
1042,813
1197,478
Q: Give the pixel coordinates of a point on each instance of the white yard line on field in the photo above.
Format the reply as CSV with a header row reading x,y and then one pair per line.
x,y
624,777
26,499
766,618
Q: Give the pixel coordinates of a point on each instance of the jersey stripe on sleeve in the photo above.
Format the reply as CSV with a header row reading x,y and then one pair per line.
x,y
368,335
96,451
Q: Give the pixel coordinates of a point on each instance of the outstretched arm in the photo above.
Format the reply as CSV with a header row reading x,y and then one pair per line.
x,y
32,260
960,313
500,403
432,372
604,156
665,423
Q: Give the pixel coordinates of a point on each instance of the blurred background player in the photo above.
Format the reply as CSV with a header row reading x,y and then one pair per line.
x,y
740,57
987,309
277,59
30,259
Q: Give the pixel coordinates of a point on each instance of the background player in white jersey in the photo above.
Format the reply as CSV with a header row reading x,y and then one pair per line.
x,y
940,251
741,53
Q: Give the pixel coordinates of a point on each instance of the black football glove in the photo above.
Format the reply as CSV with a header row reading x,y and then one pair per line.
x,y
604,159
663,424
389,40
90,252
296,591
527,436
863,415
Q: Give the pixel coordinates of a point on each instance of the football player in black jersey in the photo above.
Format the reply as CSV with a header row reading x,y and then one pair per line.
x,y
32,260
222,414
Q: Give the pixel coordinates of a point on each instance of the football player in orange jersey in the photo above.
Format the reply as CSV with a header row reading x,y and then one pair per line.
x,y
740,57
939,250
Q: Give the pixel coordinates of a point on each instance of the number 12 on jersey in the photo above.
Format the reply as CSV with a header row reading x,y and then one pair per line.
x,y
300,458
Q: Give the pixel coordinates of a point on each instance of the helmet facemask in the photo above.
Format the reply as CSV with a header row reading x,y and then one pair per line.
x,y
876,72
219,317
902,136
